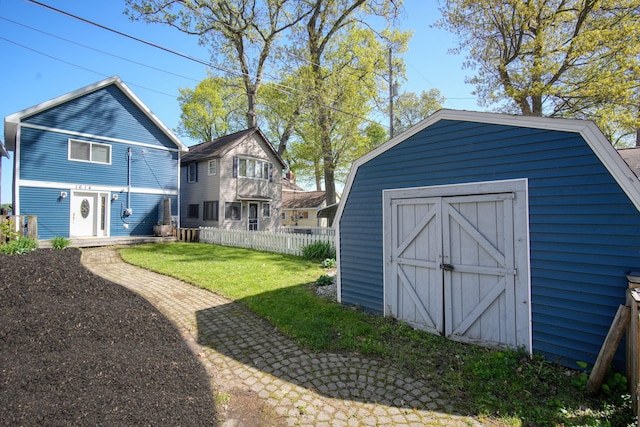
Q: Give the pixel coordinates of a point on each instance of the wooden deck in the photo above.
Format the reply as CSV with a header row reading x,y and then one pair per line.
x,y
86,242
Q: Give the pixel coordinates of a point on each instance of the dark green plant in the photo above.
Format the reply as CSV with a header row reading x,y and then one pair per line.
x,y
60,242
319,250
20,246
324,280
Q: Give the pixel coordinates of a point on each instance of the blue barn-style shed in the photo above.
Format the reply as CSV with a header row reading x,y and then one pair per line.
x,y
95,162
494,229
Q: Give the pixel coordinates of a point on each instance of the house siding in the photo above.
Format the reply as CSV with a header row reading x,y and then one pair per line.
x,y
224,187
145,160
107,112
583,227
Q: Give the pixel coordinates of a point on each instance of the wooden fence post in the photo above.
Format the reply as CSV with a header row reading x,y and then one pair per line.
x,y
32,227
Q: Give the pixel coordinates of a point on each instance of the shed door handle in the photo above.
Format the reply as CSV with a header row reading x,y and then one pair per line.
x,y
447,267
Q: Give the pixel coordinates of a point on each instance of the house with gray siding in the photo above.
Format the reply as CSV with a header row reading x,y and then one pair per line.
x,y
95,162
233,182
501,230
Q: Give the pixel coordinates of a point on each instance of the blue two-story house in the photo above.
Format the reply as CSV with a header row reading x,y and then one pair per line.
x,y
94,163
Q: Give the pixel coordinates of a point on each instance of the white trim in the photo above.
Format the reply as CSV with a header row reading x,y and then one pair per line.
x,y
92,136
12,121
601,147
96,187
90,144
215,167
107,212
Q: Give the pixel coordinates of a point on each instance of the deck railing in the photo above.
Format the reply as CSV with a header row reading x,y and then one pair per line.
x,y
284,243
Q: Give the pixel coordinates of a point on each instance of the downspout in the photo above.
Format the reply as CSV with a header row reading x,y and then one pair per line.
x,y
129,179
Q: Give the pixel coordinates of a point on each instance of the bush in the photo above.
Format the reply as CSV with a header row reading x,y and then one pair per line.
x,y
319,251
60,243
329,263
20,246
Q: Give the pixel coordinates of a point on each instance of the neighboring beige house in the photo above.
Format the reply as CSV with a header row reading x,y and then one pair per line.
x,y
233,182
632,157
299,207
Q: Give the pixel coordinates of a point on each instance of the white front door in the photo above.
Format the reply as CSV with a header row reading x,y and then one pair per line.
x,y
457,265
88,214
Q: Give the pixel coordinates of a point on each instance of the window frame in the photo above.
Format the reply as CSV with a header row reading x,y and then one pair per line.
x,y
228,205
91,144
214,210
192,176
191,207
215,167
249,167
267,206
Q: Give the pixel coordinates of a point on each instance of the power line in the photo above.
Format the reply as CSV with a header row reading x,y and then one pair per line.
x,y
80,66
98,50
280,87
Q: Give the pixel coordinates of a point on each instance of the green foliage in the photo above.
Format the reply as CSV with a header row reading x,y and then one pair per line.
x,y
319,251
329,263
410,108
18,246
8,230
325,280
60,243
500,387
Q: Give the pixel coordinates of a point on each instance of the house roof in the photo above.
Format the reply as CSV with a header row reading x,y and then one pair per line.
x,y
593,136
302,199
11,122
220,146
632,157
3,151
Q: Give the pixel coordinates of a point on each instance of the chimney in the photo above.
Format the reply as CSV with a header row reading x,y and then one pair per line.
x,y
291,177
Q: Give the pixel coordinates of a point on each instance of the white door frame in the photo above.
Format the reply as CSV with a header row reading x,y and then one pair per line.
x,y
100,213
521,247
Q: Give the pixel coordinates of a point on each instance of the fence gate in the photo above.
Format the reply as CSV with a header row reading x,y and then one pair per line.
x,y
456,265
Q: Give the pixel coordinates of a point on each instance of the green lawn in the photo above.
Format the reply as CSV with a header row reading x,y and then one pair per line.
x,y
503,387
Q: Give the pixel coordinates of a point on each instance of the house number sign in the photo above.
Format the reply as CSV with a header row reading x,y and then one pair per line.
x,y
84,208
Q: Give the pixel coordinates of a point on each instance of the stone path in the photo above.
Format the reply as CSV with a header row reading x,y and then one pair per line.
x,y
249,360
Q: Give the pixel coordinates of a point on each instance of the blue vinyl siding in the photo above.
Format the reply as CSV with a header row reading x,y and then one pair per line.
x,y
147,212
51,210
107,112
583,227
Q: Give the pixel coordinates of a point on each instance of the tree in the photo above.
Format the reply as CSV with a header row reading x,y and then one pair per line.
x,y
411,108
211,110
551,57
240,33
328,62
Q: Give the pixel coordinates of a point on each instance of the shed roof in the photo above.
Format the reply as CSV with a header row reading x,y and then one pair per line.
x,y
220,146
594,137
11,121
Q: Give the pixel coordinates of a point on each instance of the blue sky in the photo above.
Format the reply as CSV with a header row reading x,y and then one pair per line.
x,y
46,54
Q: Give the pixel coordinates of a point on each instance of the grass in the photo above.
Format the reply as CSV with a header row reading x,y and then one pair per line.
x,y
505,388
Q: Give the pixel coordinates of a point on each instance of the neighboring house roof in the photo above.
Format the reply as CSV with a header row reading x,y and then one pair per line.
x,y
302,199
11,122
594,137
632,157
288,185
220,146
3,151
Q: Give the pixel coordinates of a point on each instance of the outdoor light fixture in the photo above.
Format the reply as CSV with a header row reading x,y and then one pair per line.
x,y
114,197
63,194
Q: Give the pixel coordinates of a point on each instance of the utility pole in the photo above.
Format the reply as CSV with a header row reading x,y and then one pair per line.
x,y
391,90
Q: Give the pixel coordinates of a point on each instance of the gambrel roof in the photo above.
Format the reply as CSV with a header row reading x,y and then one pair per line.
x,y
11,122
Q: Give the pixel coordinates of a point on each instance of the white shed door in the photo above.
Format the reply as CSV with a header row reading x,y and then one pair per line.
x,y
452,266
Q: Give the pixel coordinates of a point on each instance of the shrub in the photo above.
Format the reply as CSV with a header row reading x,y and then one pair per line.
x,y
329,263
324,280
20,246
7,229
319,251
60,243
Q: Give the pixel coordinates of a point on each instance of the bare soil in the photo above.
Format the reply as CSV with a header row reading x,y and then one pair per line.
x,y
76,349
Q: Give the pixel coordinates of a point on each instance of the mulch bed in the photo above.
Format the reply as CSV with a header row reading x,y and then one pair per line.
x,y
76,349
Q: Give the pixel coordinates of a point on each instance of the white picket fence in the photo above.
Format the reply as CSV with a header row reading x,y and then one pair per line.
x,y
284,243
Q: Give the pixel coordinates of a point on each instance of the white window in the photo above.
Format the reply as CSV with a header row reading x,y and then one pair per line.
x,y
253,168
212,167
93,152
192,172
233,211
